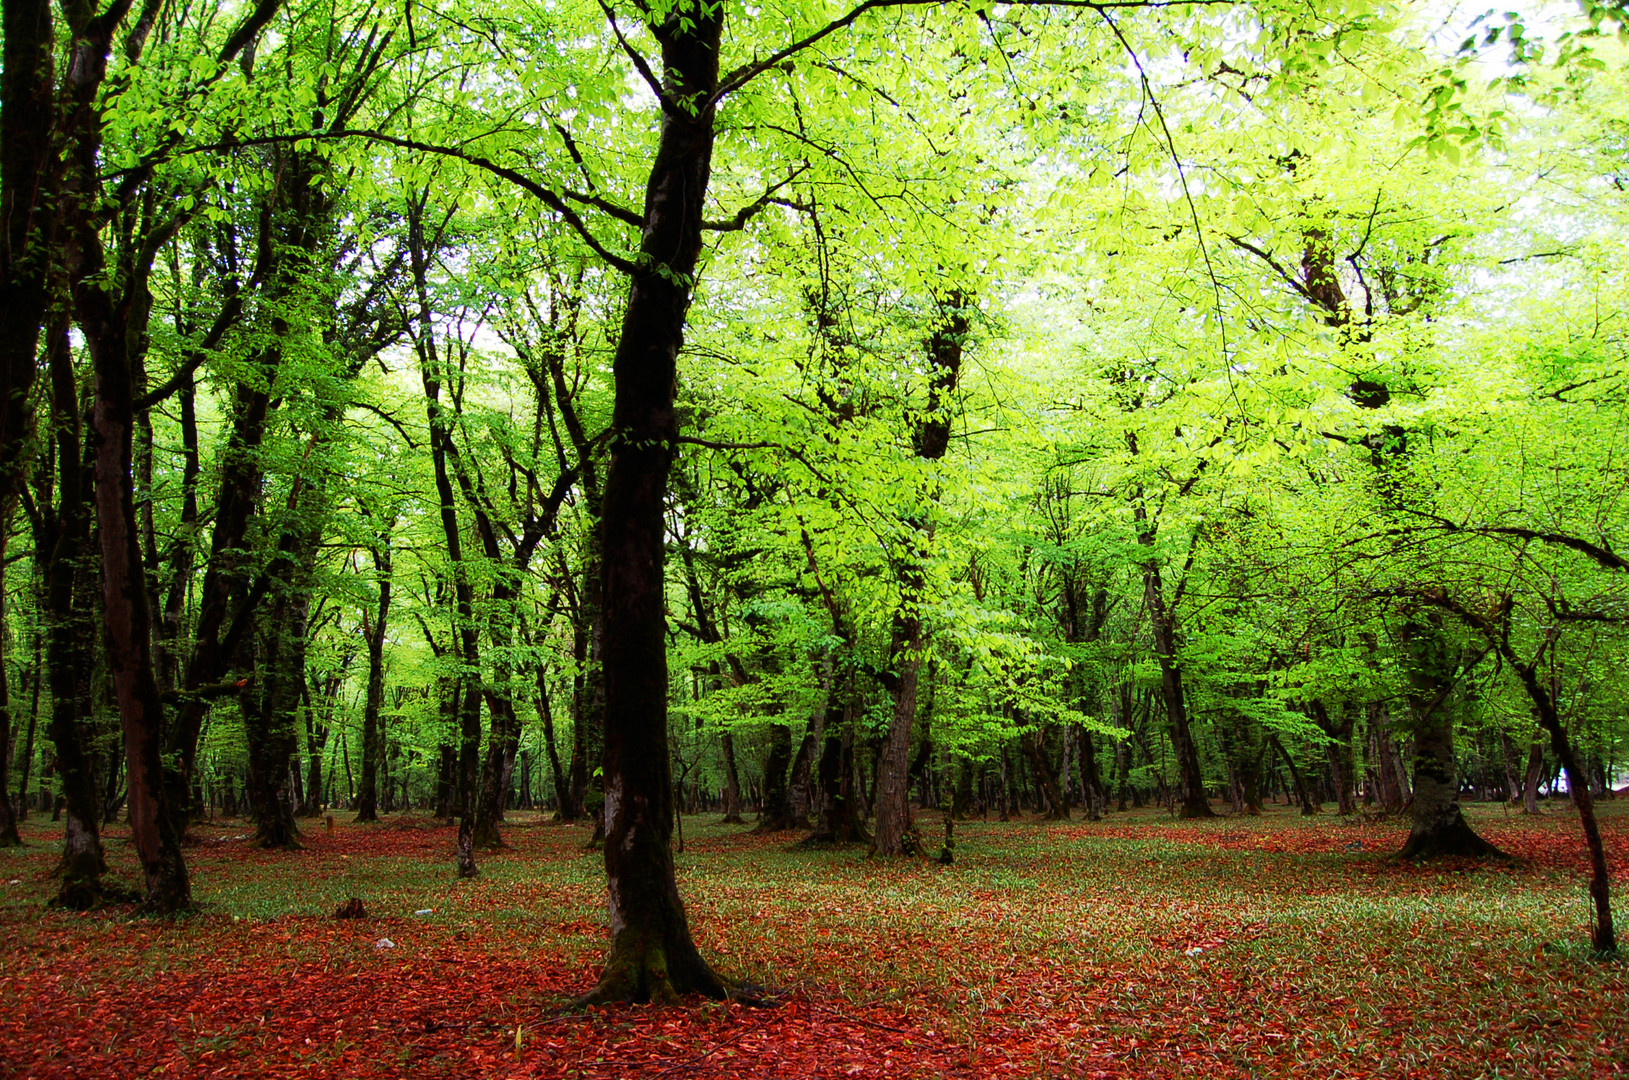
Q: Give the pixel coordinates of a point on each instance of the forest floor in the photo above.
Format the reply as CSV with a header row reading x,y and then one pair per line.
x,y
1134,947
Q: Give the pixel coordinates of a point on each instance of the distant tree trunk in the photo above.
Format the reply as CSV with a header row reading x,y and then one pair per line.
x,y
1535,773
561,789
775,811
1340,753
1046,778
316,739
1302,795
367,802
732,779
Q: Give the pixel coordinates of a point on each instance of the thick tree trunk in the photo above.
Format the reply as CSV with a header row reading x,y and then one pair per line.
x,y
775,811
126,613
28,216
269,720
1440,827
495,772
893,811
652,955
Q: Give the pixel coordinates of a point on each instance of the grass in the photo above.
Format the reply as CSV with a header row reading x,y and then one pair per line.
x,y
1134,947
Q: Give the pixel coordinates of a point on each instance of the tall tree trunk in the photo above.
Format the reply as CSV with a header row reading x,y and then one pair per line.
x,y
125,607
465,637
930,440
1340,753
561,790
652,955
8,815
367,802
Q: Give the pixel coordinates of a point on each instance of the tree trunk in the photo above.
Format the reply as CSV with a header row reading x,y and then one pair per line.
x,y
1440,827
908,640
1340,753
367,800
652,955
1046,777
1535,773
732,780
125,606
775,812
561,792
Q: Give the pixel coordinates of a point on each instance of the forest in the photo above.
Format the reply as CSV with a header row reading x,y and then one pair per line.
x,y
981,470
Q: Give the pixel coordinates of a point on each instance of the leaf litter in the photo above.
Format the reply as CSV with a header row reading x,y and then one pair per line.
x,y
1129,948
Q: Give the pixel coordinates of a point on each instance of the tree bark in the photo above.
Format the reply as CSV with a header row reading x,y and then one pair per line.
x,y
652,955
367,801
1439,827
908,639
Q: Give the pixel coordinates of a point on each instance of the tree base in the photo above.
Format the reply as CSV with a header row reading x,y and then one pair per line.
x,y
778,824
733,819
1456,838
1195,809
277,836
654,973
